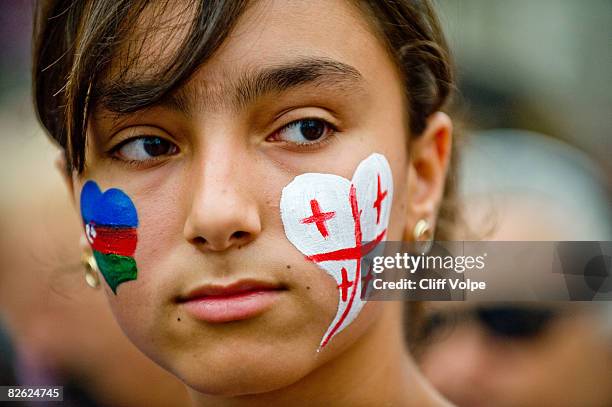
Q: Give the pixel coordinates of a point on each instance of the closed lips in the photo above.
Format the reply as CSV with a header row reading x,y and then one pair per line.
x,y
229,291
236,302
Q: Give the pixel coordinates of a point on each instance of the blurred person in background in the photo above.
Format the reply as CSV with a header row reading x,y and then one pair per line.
x,y
524,186
519,354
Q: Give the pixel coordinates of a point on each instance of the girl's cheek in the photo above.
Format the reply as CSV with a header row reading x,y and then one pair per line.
x,y
129,243
398,218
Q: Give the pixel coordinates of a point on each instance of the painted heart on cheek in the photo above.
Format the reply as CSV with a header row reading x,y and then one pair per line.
x,y
110,221
334,222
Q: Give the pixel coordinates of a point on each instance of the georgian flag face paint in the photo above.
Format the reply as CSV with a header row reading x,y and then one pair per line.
x,y
110,221
334,222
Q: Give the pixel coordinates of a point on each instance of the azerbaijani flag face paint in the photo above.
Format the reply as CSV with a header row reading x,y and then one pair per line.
x,y
110,225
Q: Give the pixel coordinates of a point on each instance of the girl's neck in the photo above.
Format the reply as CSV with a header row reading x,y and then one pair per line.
x,y
375,371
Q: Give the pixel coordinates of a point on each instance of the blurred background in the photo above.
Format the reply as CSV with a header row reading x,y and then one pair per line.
x,y
544,66
534,104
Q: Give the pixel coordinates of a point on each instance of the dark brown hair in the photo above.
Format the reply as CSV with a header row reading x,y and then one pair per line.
x,y
75,42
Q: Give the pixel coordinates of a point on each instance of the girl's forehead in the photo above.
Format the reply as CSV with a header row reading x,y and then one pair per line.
x,y
266,33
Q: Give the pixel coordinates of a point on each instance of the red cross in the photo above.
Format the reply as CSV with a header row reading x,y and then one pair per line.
x,y
380,196
345,285
318,217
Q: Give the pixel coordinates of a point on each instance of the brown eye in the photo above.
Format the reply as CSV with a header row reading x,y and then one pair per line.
x,y
146,148
155,146
305,131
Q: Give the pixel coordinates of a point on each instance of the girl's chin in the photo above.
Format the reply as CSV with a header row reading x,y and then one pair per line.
x,y
238,375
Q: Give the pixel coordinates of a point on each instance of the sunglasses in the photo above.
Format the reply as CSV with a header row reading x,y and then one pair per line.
x,y
512,322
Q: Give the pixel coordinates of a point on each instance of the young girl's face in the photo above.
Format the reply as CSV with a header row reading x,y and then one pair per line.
x,y
298,87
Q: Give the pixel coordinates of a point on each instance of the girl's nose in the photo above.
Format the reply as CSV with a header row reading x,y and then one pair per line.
x,y
224,213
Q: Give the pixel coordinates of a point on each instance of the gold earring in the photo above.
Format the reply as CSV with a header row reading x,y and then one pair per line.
x,y
423,236
91,270
421,229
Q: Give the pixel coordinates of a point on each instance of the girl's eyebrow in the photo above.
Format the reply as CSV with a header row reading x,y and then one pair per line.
x,y
250,86
320,71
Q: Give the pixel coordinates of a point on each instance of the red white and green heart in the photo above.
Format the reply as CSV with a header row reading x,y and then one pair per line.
x,y
334,222
110,221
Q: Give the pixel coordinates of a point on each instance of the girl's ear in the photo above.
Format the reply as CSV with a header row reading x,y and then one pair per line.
x,y
429,159
62,167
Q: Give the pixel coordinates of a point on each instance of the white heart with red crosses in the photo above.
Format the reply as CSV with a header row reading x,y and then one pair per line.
x,y
334,221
